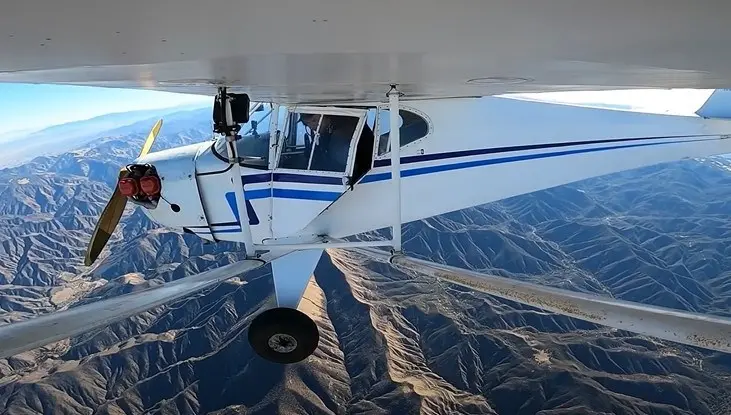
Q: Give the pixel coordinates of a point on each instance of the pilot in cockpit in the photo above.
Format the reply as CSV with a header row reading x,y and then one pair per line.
x,y
333,143
335,137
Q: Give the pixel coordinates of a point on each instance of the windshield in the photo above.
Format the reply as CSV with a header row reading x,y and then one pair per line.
x,y
252,145
253,151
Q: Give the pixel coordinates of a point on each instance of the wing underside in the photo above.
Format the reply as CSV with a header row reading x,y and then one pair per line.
x,y
335,51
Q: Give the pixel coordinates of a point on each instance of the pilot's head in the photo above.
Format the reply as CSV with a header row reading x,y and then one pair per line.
x,y
311,120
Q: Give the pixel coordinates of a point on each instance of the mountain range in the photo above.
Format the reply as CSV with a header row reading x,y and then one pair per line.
x,y
390,342
22,146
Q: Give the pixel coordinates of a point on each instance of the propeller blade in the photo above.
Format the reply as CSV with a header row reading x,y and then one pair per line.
x,y
27,335
151,138
700,330
112,212
108,221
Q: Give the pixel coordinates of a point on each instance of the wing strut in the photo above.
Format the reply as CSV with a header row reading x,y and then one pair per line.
x,y
693,329
27,335
395,143
230,128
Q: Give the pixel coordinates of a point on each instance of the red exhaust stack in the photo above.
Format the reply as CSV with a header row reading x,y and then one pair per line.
x,y
141,185
128,187
150,185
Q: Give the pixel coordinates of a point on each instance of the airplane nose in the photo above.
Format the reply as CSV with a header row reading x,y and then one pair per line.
x,y
180,203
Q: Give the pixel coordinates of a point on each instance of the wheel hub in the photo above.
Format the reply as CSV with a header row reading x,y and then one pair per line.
x,y
282,343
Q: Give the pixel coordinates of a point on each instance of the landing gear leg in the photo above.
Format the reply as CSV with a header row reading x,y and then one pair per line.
x,y
285,334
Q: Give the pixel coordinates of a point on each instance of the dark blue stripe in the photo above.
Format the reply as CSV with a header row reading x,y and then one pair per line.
x,y
497,150
290,178
304,178
228,231
231,199
476,163
237,228
220,231
256,178
287,194
306,194
216,224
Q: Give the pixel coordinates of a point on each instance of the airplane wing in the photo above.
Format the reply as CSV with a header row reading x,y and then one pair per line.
x,y
339,51
27,335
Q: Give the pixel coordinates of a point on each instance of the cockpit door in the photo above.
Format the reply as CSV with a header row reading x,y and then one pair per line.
x,y
314,164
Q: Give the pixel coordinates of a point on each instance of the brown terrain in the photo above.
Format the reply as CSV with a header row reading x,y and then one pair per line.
x,y
390,342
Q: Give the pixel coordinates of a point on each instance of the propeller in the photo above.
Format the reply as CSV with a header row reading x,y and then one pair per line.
x,y
112,212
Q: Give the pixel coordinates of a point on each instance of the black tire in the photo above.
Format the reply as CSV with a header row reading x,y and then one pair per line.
x,y
283,335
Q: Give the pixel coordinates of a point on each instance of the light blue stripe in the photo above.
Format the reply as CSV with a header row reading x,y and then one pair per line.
x,y
292,194
257,194
477,163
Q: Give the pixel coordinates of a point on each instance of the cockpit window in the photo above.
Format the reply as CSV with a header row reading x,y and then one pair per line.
x,y
412,127
318,142
252,146
253,150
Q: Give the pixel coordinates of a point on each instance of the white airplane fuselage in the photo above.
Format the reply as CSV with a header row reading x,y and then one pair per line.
x,y
472,151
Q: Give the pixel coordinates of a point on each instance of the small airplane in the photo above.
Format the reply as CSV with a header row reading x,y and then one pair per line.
x,y
374,122
289,182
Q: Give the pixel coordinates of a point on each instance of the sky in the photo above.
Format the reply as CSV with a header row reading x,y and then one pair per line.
x,y
26,107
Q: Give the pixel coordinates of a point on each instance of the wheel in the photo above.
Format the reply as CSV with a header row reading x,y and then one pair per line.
x,y
283,335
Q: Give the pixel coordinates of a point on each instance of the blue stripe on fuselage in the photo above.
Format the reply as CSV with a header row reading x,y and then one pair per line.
x,y
525,147
305,178
306,194
477,163
292,194
208,231
290,178
231,199
375,177
258,194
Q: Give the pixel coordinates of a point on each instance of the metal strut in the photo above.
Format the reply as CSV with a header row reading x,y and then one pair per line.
x,y
230,130
395,143
701,330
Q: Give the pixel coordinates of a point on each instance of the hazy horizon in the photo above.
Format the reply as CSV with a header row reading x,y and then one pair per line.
x,y
32,107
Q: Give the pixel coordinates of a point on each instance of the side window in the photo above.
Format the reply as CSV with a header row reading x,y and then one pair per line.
x,y
318,142
411,127
371,119
282,118
297,144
